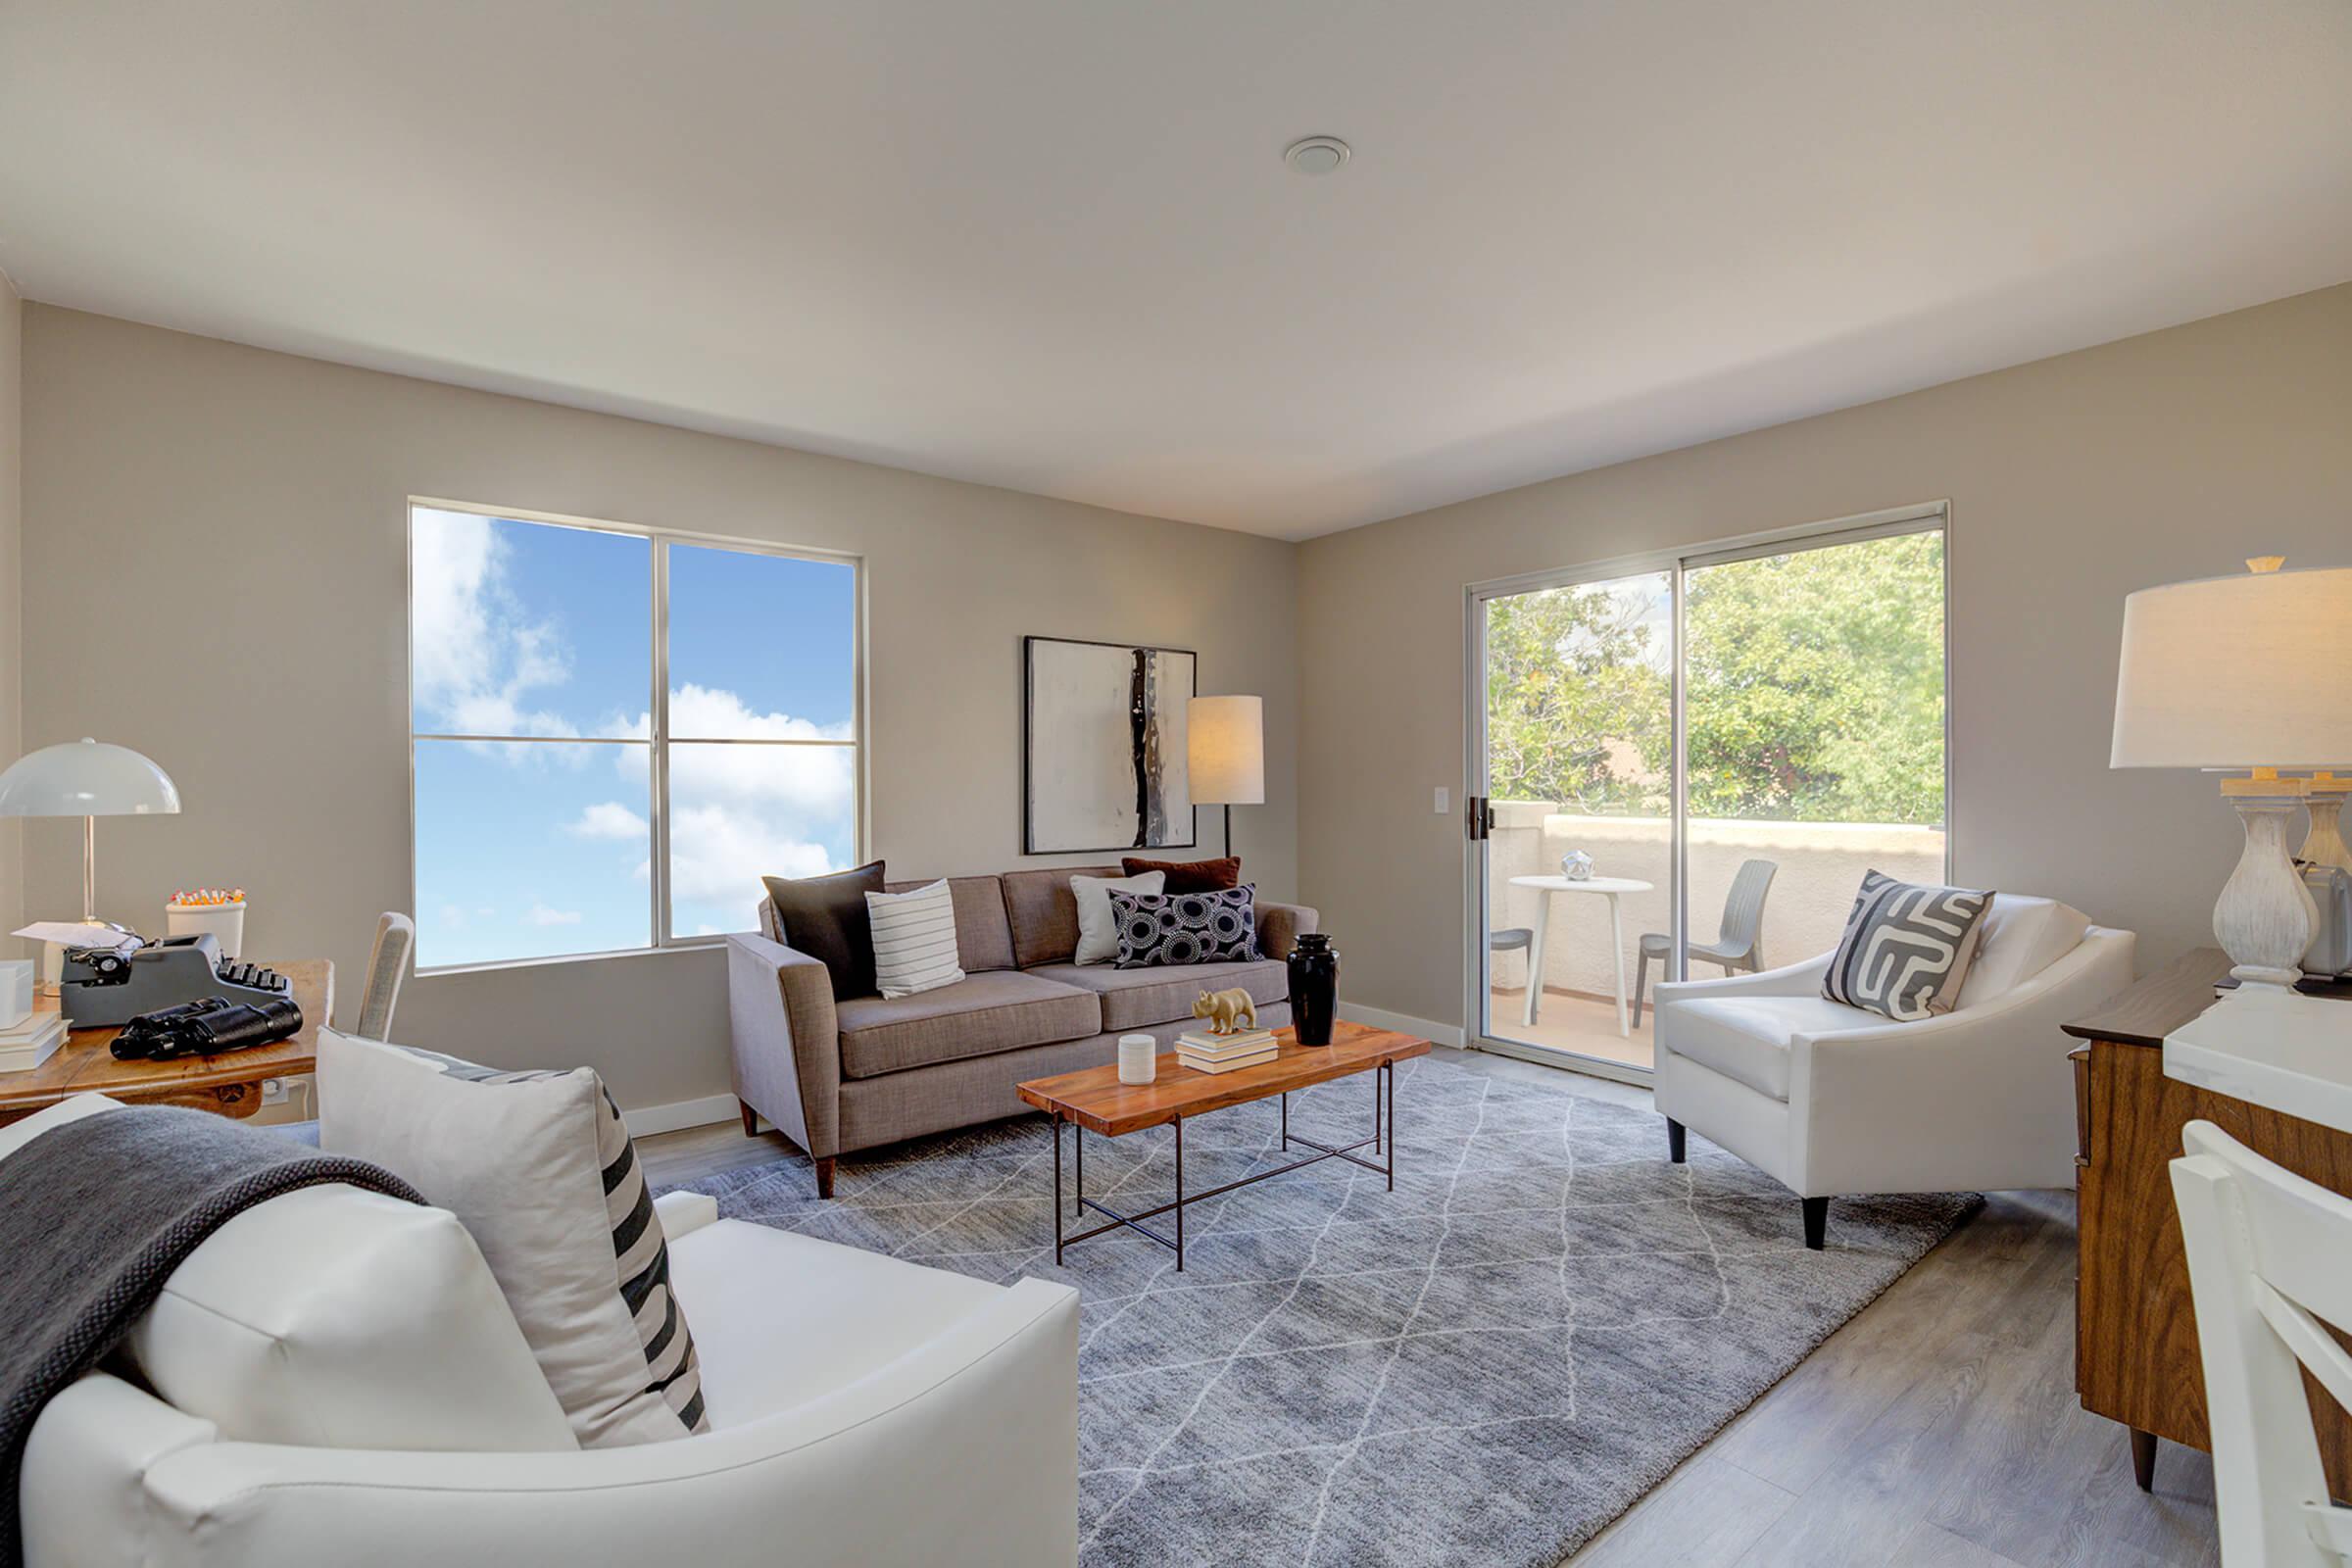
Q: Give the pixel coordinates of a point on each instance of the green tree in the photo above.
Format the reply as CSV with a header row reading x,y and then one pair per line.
x,y
1814,684
1577,695
1814,688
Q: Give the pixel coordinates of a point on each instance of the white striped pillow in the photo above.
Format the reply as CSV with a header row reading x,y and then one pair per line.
x,y
915,939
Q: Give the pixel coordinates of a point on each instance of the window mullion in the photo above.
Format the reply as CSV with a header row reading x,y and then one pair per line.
x,y
659,784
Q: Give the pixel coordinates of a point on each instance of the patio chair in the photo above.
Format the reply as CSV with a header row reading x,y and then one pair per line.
x,y
1738,941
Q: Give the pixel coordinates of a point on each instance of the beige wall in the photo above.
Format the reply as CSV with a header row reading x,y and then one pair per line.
x,y
219,536
2071,481
12,622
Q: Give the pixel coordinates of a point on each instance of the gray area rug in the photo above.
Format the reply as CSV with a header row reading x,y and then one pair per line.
x,y
1485,1367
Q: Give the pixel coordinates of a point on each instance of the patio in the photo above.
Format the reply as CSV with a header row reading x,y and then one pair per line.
x,y
1569,1021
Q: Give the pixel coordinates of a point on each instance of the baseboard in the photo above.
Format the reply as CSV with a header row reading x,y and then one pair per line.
x,y
1429,1029
680,1114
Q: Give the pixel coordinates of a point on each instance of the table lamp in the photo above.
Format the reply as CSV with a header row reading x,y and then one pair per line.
x,y
89,780
1225,753
2254,672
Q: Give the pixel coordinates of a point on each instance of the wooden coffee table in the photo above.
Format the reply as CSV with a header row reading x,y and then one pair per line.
x,y
1095,1099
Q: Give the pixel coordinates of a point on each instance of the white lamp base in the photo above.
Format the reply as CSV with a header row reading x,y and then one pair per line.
x,y
2266,916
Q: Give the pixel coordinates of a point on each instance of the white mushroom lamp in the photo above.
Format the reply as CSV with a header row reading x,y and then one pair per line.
x,y
89,780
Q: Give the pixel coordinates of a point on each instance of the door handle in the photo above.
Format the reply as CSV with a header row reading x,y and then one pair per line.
x,y
1478,818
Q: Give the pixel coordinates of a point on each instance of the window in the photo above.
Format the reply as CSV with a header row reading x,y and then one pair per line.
x,y
616,732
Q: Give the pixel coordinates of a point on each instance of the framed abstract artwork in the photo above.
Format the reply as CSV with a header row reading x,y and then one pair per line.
x,y
1103,746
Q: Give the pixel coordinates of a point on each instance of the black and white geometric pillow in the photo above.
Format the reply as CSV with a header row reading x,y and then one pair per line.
x,y
1182,928
1906,947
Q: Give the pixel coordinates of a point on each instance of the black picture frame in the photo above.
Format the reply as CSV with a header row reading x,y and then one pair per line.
x,y
1030,738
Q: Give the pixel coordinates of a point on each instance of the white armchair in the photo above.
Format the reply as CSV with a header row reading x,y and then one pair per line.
x,y
1830,1099
865,1410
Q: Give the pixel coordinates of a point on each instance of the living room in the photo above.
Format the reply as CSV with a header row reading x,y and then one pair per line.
x,y
740,658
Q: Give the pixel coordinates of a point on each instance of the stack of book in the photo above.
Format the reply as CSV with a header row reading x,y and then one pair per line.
x,y
32,1042
1207,1053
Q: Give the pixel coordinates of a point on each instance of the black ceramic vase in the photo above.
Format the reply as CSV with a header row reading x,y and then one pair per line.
x,y
1314,988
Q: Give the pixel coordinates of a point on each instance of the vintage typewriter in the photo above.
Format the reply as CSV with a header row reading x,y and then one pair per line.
x,y
106,987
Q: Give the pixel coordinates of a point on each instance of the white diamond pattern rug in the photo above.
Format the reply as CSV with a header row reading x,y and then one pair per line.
x,y
1485,1367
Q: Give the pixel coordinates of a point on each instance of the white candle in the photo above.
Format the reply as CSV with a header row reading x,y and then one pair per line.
x,y
1139,1058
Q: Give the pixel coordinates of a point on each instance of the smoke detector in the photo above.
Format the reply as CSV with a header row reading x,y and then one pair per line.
x,y
1316,155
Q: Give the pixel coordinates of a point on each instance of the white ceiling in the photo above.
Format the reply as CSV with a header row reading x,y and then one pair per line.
x,y
1051,244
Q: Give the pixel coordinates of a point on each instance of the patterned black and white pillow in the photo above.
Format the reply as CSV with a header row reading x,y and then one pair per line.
x,y
1178,928
584,1263
1906,947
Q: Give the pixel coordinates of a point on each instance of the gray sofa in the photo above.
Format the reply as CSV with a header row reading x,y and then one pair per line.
x,y
838,1077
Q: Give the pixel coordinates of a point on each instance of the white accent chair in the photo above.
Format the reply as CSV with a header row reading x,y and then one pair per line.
x,y
863,1410
2270,1269
1834,1100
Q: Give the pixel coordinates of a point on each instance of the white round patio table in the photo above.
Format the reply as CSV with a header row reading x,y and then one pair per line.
x,y
1607,887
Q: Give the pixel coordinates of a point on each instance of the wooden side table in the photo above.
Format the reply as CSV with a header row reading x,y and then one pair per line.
x,y
230,1084
2136,1359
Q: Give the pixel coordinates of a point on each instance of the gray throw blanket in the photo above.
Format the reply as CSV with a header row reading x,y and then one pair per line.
x,y
94,1216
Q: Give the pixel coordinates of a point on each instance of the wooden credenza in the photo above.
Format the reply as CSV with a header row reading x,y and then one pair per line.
x,y
2136,1330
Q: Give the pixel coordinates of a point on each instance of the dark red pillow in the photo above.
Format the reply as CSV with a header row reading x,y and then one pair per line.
x,y
1190,876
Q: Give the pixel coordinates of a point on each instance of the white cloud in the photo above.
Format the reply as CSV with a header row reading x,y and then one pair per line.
x,y
609,819
453,917
719,855
740,813
477,656
541,914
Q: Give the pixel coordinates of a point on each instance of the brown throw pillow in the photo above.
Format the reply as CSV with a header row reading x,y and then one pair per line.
x,y
1190,876
825,917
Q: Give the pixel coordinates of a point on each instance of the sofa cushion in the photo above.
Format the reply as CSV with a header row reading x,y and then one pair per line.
x,y
978,1016
782,1318
336,1318
2020,937
983,938
1746,1038
541,1170
1044,912
1098,927
915,939
1906,947
1190,876
1137,999
825,917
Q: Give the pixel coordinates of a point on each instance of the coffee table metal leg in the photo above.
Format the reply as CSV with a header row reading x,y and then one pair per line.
x,y
1180,1195
1078,1137
1285,1121
1058,1192
1388,1081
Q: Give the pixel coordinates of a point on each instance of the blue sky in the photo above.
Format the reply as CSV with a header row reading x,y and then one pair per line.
x,y
526,848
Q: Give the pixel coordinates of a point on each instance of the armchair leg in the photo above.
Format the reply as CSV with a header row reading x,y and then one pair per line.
x,y
1641,979
1674,1140
751,1119
824,1176
1817,1221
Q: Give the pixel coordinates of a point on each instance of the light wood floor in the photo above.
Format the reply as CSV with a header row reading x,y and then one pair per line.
x,y
1939,1428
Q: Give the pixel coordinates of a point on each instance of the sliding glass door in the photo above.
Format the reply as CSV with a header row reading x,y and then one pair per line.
x,y
1685,765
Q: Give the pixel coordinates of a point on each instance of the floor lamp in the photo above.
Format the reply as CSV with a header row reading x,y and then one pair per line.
x,y
1225,753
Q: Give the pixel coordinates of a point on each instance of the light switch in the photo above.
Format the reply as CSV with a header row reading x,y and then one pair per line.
x,y
1445,800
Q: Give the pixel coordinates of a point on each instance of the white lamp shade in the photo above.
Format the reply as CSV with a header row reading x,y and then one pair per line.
x,y
87,778
1226,754
2246,671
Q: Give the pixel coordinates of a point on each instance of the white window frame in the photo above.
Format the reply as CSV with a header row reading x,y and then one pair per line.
x,y
660,739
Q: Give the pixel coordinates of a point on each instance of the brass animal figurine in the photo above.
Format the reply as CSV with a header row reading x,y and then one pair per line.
x,y
1225,1010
